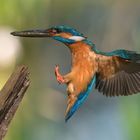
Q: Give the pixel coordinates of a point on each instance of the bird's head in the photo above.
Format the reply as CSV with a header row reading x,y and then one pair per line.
x,y
62,33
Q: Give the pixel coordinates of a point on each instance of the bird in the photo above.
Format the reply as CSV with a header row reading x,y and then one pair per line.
x,y
114,73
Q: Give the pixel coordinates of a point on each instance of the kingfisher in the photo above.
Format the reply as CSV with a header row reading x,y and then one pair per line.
x,y
115,73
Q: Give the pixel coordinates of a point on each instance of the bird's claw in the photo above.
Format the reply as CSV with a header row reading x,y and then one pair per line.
x,y
59,77
60,80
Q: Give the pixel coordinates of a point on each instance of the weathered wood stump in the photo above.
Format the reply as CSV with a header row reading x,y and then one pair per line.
x,y
11,96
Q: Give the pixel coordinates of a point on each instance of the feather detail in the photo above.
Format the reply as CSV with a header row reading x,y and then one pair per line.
x,y
116,76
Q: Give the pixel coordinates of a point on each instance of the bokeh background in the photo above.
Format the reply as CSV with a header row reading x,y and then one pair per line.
x,y
111,25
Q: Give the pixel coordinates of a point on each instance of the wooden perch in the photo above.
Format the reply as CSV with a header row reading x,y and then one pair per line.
x,y
11,96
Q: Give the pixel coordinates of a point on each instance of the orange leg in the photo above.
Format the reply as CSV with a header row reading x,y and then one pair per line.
x,y
59,77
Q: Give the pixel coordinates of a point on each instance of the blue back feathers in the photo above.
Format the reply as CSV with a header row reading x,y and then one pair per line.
x,y
80,99
125,54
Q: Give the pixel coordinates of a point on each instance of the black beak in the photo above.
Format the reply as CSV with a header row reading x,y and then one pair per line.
x,y
32,33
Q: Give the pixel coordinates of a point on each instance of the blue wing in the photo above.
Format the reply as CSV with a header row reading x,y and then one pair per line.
x,y
80,99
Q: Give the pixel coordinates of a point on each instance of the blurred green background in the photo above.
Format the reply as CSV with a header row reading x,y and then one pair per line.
x,y
111,25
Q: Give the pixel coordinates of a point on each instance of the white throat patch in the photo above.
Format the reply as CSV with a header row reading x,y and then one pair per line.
x,y
77,38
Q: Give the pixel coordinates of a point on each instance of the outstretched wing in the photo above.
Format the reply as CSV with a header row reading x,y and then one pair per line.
x,y
117,76
80,99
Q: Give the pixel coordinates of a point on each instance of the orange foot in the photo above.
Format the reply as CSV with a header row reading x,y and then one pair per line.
x,y
59,77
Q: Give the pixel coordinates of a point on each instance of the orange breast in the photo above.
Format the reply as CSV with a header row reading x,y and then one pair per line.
x,y
83,66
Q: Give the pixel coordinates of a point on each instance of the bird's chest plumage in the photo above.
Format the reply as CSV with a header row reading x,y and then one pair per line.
x,y
83,66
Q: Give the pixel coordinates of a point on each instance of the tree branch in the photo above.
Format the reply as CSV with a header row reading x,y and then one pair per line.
x,y
11,96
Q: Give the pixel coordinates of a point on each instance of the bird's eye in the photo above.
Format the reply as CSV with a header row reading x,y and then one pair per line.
x,y
58,31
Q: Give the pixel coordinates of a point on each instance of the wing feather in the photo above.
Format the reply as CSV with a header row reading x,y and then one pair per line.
x,y
118,77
